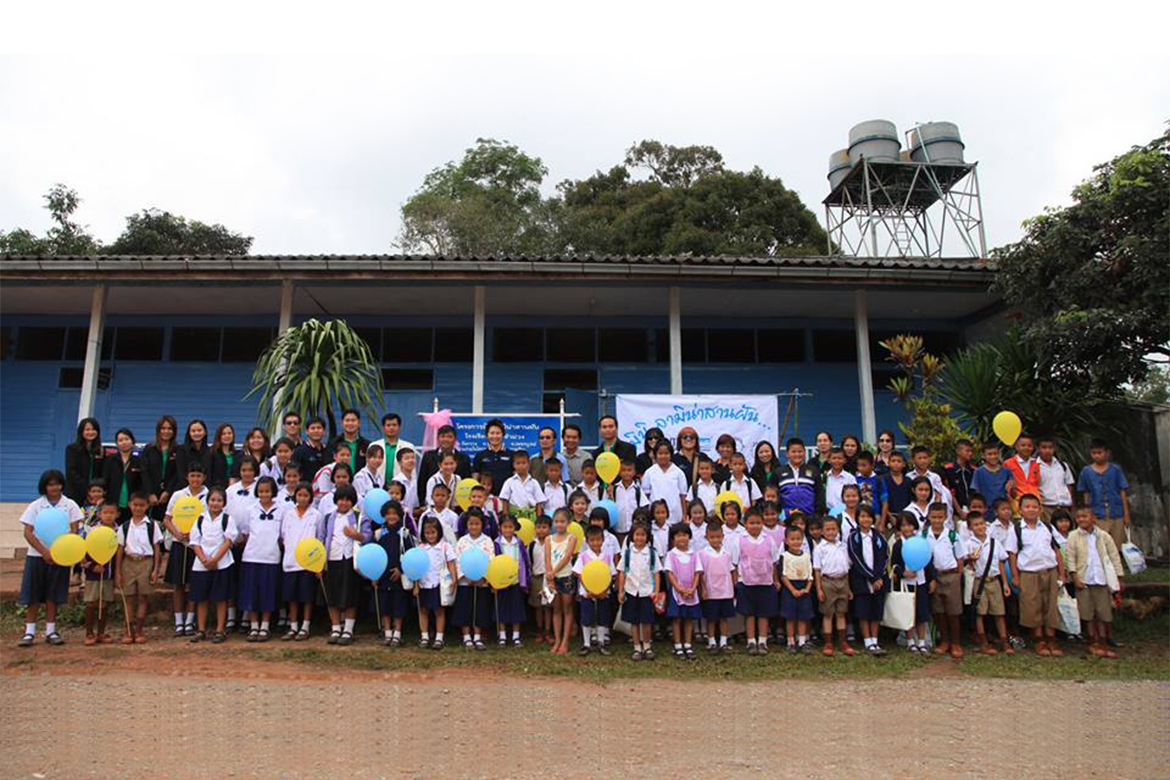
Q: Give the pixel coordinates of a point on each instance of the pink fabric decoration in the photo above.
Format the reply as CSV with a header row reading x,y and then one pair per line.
x,y
435,421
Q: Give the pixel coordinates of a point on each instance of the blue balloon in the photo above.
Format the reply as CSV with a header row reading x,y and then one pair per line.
x,y
50,524
836,510
916,553
415,564
611,509
474,563
373,503
371,561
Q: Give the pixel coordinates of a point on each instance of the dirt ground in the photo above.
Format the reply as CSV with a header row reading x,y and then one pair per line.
x,y
172,711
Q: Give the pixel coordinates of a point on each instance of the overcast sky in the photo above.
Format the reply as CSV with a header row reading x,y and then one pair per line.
x,y
308,130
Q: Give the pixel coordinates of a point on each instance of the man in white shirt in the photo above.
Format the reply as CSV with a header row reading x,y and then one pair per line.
x,y
1055,480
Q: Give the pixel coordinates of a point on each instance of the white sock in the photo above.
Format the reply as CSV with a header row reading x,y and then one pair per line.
x,y
515,636
762,641
751,641
477,637
263,625
397,634
30,628
178,620
585,632
802,640
723,641
686,645
426,636
792,641
438,636
870,642
292,625
337,627
190,618
349,624
231,613
602,633
50,628
677,646
388,633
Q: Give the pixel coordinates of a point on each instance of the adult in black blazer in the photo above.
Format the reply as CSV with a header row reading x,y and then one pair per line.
x,y
195,449
84,461
160,467
607,431
428,466
124,468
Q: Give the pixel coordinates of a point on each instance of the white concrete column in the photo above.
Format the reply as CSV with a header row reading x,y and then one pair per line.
x,y
93,353
477,351
676,383
864,372
286,306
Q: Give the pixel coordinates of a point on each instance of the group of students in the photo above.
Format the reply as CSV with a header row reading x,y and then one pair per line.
x,y
806,547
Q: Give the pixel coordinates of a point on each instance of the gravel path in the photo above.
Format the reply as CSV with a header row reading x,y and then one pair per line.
x,y
294,723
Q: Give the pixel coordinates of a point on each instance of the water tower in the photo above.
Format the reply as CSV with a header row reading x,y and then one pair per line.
x,y
919,202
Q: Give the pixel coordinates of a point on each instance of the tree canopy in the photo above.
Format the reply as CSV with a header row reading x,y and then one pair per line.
x,y
1093,279
661,199
149,232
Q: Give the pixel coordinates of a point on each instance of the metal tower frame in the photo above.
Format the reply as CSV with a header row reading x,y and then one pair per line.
x,y
906,209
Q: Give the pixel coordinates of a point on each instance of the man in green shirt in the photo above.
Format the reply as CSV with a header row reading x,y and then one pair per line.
x,y
391,425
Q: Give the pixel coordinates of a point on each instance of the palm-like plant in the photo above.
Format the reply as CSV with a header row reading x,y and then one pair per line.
x,y
313,369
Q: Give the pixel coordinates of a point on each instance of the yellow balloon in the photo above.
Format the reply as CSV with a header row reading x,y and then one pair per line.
x,y
595,577
463,492
185,512
724,497
68,549
607,465
576,530
526,531
310,554
502,572
101,544
1007,427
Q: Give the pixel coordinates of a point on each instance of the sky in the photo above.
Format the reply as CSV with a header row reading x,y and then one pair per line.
x,y
308,126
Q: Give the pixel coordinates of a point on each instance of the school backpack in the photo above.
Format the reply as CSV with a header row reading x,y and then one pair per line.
x,y
1020,534
223,520
626,556
149,530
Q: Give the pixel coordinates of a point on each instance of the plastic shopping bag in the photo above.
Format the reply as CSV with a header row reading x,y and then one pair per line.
x,y
899,611
1070,615
1135,559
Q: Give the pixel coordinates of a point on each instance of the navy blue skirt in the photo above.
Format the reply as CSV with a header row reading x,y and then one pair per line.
x,y
676,610
215,585
718,609
429,599
259,586
43,581
342,584
511,605
180,562
793,608
394,602
757,600
868,606
638,610
299,586
595,612
472,608
922,604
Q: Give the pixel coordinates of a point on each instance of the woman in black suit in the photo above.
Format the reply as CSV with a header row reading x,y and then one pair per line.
x,y
195,449
83,460
161,472
125,474
223,457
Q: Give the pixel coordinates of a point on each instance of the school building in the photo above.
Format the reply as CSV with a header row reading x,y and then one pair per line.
x,y
180,335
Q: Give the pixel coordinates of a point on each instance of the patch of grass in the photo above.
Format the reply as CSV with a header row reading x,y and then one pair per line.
x,y
1073,666
532,661
1151,574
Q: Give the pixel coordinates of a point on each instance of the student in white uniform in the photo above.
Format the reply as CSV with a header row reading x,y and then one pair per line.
x,y
259,594
556,490
43,582
666,481
211,576
521,490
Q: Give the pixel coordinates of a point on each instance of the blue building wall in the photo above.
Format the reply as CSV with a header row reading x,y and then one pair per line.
x,y
38,418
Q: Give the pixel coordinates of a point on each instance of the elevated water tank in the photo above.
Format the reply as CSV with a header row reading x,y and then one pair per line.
x,y
936,142
875,140
839,166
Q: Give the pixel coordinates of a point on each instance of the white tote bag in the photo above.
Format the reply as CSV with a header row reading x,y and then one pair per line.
x,y
899,611
1135,559
1070,615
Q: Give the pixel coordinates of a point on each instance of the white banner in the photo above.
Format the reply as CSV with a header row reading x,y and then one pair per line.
x,y
748,418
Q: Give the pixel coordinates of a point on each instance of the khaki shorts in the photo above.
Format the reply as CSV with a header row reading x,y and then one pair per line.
x,y
136,576
991,600
836,600
94,588
535,584
1038,599
1115,527
947,598
1095,602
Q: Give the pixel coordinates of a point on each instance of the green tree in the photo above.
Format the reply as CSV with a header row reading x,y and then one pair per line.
x,y
689,203
65,237
155,232
488,203
931,423
1093,280
314,369
1154,388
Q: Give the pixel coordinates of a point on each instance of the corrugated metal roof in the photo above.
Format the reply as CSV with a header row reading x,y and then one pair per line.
x,y
501,262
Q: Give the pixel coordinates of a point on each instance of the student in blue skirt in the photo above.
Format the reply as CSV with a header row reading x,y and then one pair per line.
x,y
393,599
796,602
429,588
638,586
341,532
473,601
43,581
684,572
868,553
211,543
259,593
510,601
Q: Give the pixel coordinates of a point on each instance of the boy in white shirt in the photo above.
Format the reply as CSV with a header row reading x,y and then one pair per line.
x,y
628,495
405,472
949,553
986,561
445,515
830,562
1056,480
740,483
556,490
590,485
837,478
521,490
1036,568
139,558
